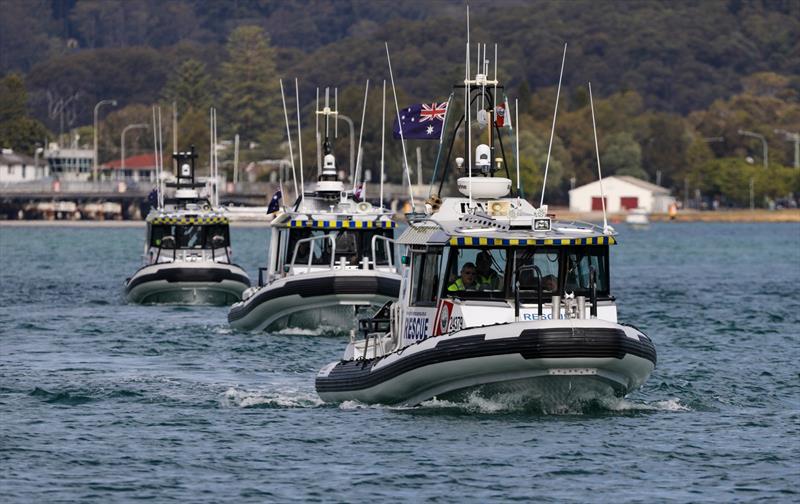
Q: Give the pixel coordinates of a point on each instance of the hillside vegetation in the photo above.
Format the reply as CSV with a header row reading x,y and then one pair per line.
x,y
674,82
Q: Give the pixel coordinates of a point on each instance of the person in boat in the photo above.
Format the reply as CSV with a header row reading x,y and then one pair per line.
x,y
549,283
466,282
488,278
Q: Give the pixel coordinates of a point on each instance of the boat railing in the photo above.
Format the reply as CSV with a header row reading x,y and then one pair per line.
x,y
387,250
517,273
219,242
311,252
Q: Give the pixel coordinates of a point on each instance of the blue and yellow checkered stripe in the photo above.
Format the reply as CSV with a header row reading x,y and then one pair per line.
x,y
509,242
337,224
185,221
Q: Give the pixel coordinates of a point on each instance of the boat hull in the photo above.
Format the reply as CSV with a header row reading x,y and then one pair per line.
x,y
313,300
588,358
187,283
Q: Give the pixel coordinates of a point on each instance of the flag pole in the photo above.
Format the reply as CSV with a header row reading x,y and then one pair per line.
x,y
400,126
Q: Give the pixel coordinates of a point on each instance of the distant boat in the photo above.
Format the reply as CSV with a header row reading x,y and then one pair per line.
x,y
638,218
187,249
329,256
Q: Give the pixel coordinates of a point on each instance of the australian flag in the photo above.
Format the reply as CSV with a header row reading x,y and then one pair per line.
x,y
275,202
423,121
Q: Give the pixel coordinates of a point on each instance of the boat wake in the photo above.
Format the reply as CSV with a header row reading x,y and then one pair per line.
x,y
515,402
287,397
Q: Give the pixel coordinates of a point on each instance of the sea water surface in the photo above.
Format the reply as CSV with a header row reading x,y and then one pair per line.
x,y
102,401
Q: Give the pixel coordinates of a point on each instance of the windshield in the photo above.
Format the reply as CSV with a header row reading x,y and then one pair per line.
x,y
352,245
477,273
190,236
488,273
580,263
535,266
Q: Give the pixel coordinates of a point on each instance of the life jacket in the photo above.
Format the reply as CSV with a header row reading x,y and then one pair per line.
x,y
458,285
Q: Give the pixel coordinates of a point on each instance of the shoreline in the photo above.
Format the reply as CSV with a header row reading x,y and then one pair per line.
x,y
731,216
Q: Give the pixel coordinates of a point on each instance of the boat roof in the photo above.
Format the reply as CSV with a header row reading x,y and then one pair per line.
x,y
186,216
499,222
319,213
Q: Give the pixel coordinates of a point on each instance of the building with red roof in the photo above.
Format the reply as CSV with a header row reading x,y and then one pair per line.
x,y
139,168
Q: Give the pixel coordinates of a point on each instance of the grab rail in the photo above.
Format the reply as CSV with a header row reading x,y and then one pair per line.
x,y
593,291
529,267
311,252
388,250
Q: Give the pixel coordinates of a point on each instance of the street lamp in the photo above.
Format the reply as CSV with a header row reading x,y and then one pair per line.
x,y
763,142
36,153
792,137
122,143
352,141
96,109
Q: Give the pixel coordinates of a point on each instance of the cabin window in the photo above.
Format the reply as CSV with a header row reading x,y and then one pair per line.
x,y
319,248
534,264
477,273
425,266
352,245
191,236
579,263
381,257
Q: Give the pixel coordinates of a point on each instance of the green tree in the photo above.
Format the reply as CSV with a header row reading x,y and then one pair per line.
x,y
189,87
250,94
17,130
623,156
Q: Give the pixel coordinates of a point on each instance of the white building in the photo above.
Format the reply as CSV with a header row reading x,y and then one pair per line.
x,y
622,193
69,164
16,167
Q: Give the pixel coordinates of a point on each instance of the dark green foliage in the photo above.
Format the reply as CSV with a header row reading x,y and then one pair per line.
x,y
189,87
667,76
18,131
249,93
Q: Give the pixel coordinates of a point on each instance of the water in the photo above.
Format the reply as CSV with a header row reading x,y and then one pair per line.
x,y
105,402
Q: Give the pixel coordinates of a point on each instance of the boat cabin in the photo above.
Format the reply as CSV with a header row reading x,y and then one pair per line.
x,y
187,237
341,241
475,269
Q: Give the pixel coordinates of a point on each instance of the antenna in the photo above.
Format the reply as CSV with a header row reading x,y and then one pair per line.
x,y
174,126
599,172
516,147
155,157
467,113
300,143
211,149
553,128
360,134
289,136
160,150
400,127
494,96
336,108
319,146
327,115
468,116
236,158
383,137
